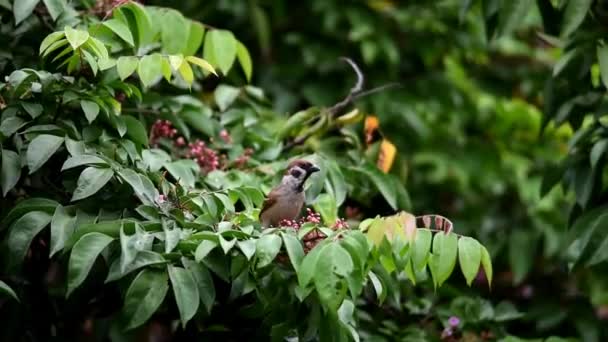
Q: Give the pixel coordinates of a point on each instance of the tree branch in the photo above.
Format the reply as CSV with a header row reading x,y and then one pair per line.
x,y
356,89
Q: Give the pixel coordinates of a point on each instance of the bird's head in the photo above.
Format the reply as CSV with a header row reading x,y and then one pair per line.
x,y
298,171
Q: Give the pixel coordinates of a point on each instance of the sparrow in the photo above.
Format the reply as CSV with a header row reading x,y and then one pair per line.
x,y
285,201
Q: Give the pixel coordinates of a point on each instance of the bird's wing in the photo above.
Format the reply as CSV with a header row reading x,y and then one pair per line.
x,y
270,200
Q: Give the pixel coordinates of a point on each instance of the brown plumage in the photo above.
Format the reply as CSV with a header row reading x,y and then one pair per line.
x,y
286,200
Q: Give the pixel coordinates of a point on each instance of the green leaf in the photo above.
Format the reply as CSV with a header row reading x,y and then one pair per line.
x,y
142,259
195,38
421,248
83,256
50,39
443,258
23,9
383,184
225,95
142,186
308,266
150,69
174,31
325,205
486,262
125,66
136,130
144,297
226,202
247,247
184,171
294,250
120,29
83,159
4,288
11,171
224,49
598,150
200,120
513,13
91,180
31,204
203,280
226,245
521,253
33,109
185,291
142,27
338,183
602,58
128,251
11,125
380,292
90,109
62,227
333,265
22,232
469,256
203,249
244,60
110,228
574,15
91,61
55,7
76,37
40,150
267,248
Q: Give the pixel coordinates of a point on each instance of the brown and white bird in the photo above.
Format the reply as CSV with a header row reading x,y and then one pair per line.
x,y
286,200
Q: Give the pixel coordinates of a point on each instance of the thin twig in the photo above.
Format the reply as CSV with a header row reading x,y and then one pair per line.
x,y
377,90
356,89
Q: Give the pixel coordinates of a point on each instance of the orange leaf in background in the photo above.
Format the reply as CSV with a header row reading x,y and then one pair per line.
x,y
371,126
386,156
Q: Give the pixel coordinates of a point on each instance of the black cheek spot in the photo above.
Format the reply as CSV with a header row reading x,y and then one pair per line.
x,y
296,173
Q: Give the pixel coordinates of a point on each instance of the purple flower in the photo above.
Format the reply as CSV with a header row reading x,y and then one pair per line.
x,y
454,321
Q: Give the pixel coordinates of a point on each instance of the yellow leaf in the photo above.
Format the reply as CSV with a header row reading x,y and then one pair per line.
x,y
408,221
166,69
176,61
349,118
186,71
386,156
201,63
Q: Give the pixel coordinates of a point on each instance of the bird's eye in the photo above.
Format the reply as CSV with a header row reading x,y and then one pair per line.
x,y
296,173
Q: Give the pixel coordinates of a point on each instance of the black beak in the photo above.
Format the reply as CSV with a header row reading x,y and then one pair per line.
x,y
313,169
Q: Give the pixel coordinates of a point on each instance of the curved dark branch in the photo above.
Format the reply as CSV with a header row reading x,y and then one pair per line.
x,y
356,89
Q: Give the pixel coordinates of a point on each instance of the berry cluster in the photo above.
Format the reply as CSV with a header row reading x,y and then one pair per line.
x,y
340,224
311,217
162,129
315,236
206,157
